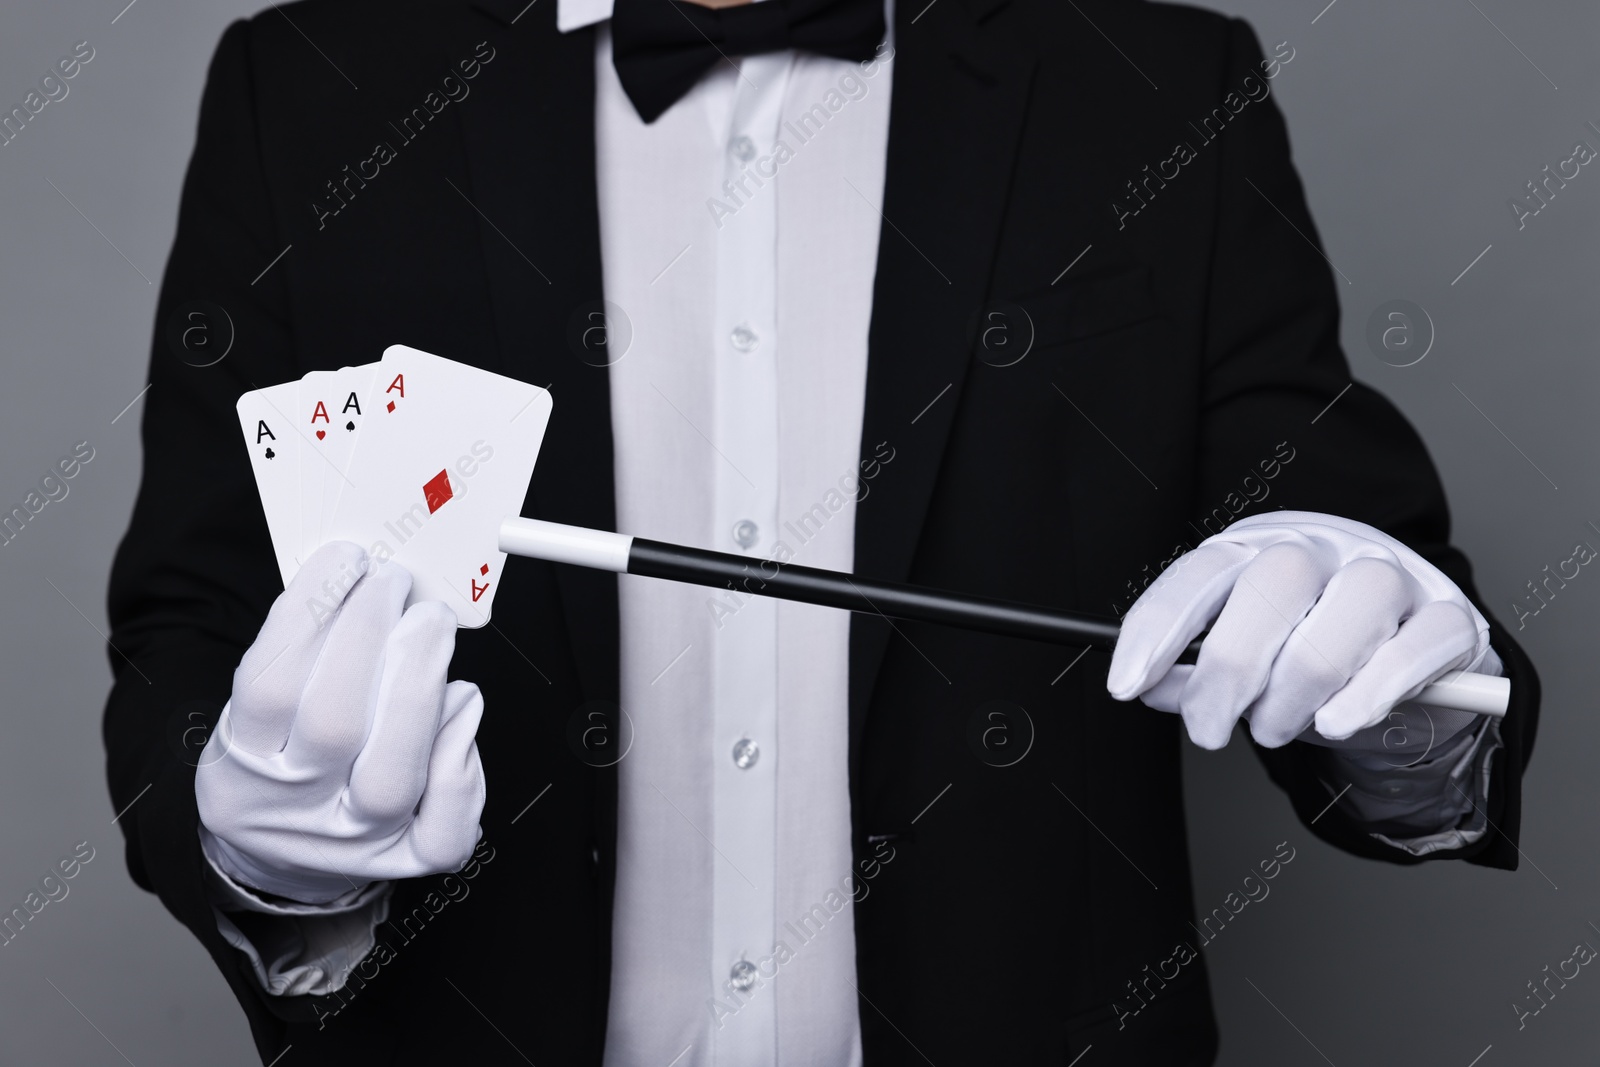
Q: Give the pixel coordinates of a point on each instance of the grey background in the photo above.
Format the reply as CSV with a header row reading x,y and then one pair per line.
x,y
1412,124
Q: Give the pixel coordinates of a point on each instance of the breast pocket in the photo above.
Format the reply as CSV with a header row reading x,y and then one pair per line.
x,y
1086,307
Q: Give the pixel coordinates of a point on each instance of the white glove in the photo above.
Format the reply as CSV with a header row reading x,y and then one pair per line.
x,y
343,756
1322,621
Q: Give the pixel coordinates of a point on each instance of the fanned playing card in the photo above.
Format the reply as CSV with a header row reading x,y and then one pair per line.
x,y
446,452
330,413
312,423
351,384
264,418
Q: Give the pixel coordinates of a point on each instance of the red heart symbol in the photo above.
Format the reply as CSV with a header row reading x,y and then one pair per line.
x,y
321,434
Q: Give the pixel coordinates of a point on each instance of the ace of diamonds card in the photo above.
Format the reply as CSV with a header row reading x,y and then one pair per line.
x,y
445,453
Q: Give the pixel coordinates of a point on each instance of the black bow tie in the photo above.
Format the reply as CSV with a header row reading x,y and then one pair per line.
x,y
662,47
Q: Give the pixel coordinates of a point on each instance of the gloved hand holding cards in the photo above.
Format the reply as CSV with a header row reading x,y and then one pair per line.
x,y
416,459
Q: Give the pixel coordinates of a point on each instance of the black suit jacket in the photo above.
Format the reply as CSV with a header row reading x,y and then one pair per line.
x,y
1167,365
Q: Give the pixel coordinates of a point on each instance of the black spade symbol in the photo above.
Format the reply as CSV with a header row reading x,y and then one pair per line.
x,y
270,453
350,425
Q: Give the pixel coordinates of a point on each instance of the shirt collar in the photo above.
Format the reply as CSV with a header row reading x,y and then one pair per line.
x,y
576,14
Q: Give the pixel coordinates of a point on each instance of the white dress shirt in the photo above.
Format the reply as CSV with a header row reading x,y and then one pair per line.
x,y
739,236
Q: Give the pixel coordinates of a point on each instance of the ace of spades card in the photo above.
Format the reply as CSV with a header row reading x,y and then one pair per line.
x,y
265,420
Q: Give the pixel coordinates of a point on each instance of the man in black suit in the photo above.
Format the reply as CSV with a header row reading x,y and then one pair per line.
x,y
1190,349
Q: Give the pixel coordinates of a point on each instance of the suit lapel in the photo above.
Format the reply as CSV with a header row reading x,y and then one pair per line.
x,y
530,157
960,93
531,167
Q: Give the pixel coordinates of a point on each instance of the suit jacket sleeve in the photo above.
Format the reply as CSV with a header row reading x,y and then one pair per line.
x,y
1274,373
194,575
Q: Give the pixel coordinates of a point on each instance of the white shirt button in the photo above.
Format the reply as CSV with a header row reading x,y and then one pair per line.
x,y
744,338
745,754
744,149
746,533
743,975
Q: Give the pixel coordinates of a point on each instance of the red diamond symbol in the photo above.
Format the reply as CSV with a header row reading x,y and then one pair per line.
x,y
483,569
391,405
436,491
